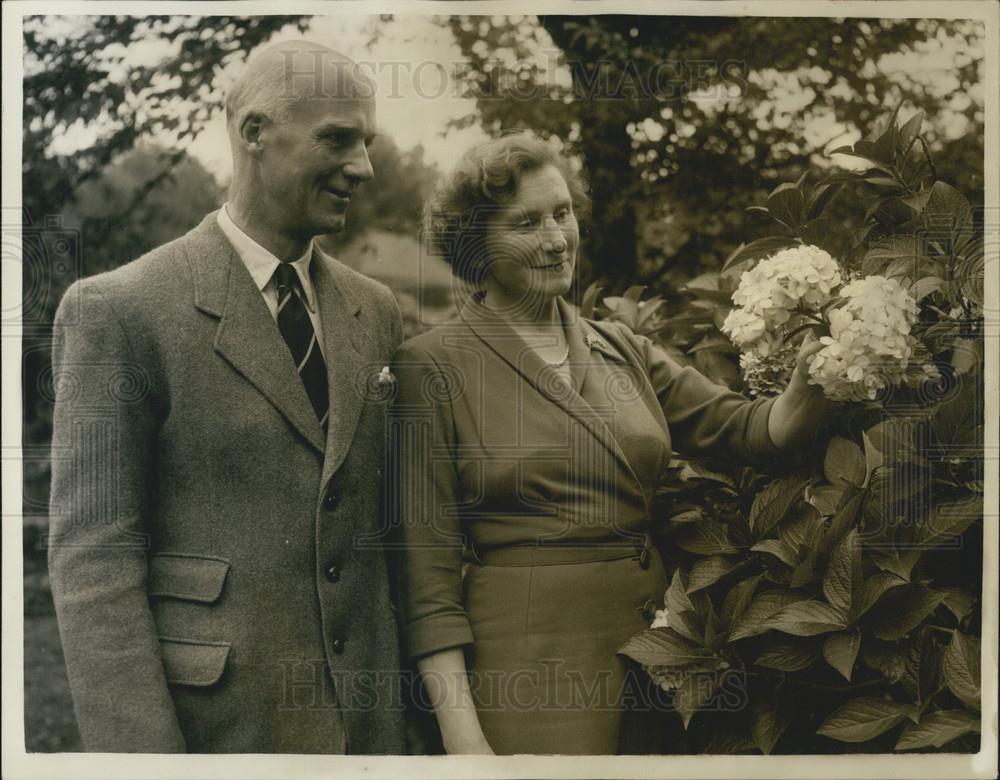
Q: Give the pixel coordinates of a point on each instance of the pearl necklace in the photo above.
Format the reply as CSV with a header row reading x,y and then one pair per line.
x,y
561,361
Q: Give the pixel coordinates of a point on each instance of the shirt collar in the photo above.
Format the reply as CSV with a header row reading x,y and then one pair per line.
x,y
260,262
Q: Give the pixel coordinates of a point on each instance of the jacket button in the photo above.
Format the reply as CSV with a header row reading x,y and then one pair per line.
x,y
333,572
330,501
338,646
645,558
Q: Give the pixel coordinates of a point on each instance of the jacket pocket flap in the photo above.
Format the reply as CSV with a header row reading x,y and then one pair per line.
x,y
189,662
185,576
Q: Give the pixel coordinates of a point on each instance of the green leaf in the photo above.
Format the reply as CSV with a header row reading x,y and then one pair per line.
x,y
947,213
955,421
763,607
841,650
959,602
726,744
787,204
694,693
781,550
884,657
820,197
807,618
860,720
756,250
663,647
708,571
843,573
841,522
873,457
899,562
590,300
966,355
818,232
677,599
930,677
946,522
960,664
872,589
910,130
901,610
897,247
768,721
937,729
735,604
789,655
824,498
801,522
896,439
709,537
773,502
927,285
844,463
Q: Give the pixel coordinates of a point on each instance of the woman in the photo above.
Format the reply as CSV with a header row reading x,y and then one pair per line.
x,y
530,442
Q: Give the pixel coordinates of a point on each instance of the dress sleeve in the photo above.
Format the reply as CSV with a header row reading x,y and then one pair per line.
x,y
706,418
429,539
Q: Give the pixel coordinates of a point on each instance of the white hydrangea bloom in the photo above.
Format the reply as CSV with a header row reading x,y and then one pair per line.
x,y
869,345
802,275
660,619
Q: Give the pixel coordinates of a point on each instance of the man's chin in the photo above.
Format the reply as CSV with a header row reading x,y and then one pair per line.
x,y
332,223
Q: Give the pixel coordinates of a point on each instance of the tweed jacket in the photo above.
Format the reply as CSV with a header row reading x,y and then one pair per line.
x,y
500,452
215,561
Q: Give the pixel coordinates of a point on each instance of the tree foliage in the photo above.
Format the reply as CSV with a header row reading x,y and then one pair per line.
x,y
682,122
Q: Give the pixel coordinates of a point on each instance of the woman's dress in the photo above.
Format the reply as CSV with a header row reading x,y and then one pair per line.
x,y
543,489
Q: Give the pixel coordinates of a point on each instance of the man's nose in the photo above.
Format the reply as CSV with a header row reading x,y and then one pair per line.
x,y
360,166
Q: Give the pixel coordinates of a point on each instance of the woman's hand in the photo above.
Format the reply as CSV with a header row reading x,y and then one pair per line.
x,y
798,411
446,682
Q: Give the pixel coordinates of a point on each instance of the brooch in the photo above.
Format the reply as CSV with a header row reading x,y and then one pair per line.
x,y
385,376
593,339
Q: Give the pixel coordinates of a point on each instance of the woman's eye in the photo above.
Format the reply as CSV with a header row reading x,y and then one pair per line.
x,y
562,215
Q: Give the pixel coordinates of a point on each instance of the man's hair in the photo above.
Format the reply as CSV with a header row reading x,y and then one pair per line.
x,y
273,80
486,177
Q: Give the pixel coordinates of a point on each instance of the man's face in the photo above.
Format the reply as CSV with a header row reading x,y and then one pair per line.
x,y
312,162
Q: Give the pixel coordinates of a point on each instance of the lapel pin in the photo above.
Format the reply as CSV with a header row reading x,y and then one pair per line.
x,y
385,376
594,340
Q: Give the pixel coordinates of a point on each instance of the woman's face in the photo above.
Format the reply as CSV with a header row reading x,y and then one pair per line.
x,y
532,241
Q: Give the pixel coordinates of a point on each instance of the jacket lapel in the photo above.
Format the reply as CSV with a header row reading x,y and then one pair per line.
x,y
346,344
502,339
247,336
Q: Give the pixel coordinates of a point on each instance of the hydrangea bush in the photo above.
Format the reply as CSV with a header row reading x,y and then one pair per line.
x,y
834,606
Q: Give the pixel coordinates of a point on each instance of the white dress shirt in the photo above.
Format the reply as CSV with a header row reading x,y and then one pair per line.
x,y
261,264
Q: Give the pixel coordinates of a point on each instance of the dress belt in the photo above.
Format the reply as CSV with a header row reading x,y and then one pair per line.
x,y
581,551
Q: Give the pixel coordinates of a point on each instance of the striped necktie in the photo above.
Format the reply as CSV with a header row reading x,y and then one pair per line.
x,y
297,330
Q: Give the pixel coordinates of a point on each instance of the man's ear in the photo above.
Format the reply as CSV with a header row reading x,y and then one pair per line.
x,y
251,131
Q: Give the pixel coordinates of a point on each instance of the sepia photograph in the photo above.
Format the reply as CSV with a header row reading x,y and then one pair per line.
x,y
481,389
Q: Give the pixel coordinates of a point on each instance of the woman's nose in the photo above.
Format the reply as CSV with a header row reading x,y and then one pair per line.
x,y
554,242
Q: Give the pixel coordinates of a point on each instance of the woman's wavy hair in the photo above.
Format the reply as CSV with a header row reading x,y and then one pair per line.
x,y
487,177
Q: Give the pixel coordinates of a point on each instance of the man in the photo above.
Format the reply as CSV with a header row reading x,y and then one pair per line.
x,y
217,455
